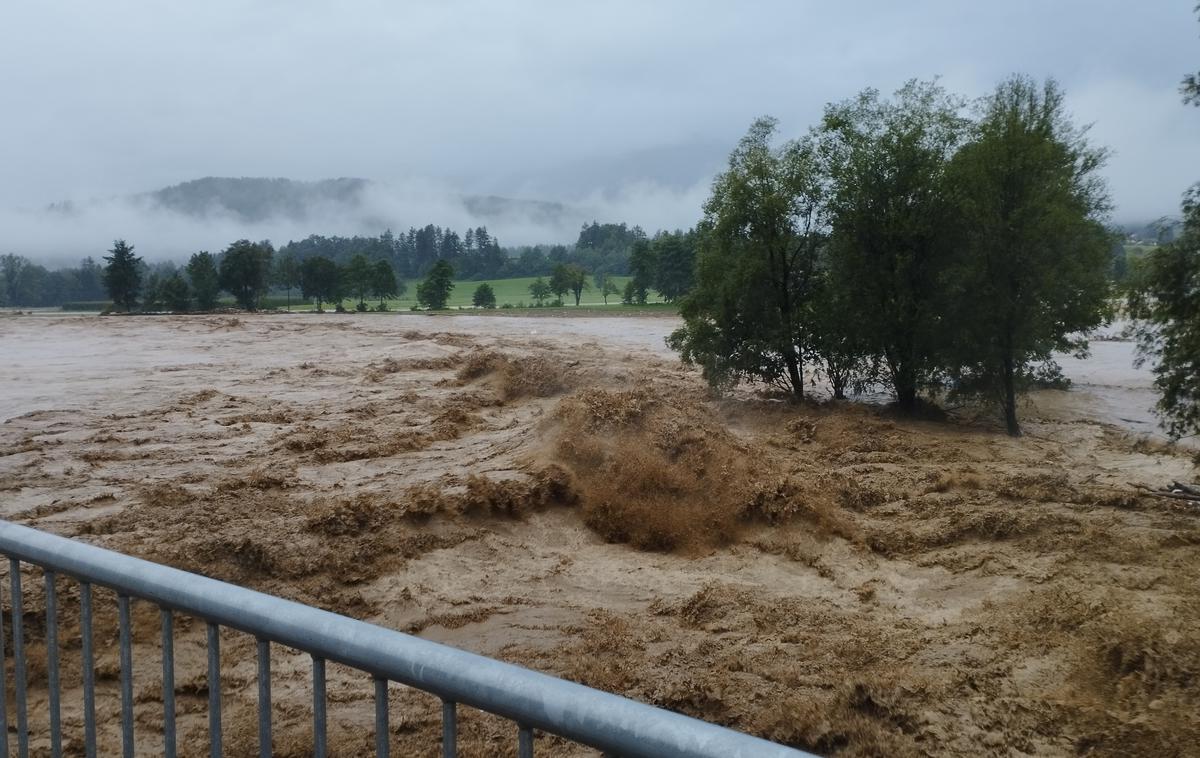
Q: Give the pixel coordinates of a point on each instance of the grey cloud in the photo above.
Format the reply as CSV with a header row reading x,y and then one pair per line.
x,y
563,101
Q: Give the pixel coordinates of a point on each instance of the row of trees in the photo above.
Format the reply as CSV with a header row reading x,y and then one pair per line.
x,y
902,241
28,284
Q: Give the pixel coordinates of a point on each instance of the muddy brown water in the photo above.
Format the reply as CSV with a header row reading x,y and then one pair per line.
x,y
890,586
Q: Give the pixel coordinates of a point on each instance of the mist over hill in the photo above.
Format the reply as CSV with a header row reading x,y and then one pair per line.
x,y
210,212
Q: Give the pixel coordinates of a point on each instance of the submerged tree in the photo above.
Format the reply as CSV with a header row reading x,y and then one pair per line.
x,y
1166,301
123,275
1031,275
749,316
890,216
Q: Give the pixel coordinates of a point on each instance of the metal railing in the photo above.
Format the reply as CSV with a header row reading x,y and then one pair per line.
x,y
534,701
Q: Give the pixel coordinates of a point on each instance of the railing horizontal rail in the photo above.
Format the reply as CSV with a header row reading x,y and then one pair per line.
x,y
534,701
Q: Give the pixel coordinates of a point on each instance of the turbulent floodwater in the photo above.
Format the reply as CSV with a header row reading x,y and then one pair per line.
x,y
58,361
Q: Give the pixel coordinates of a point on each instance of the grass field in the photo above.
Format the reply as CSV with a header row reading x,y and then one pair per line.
x,y
514,292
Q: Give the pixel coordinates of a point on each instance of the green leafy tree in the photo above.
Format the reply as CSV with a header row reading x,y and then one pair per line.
x,y
540,291
152,292
1190,88
484,296
890,217
1033,272
749,316
320,280
123,275
605,284
384,283
245,272
202,271
560,281
176,294
674,264
1165,300
577,281
435,290
287,274
642,265
357,277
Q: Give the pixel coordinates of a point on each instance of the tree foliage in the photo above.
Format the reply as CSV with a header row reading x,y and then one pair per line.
x,y
1032,273
320,280
890,210
749,316
384,283
435,290
484,296
122,275
245,272
202,271
540,291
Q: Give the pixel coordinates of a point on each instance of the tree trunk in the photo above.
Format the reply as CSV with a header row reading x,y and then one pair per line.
x,y
794,374
906,398
1010,398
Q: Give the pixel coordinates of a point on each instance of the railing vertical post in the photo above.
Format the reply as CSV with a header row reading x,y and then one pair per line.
x,y
168,681
524,741
126,643
381,718
3,695
264,698
18,612
449,729
319,746
52,680
89,669
214,690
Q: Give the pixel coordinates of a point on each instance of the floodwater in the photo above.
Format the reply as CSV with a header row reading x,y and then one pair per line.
x,y
76,361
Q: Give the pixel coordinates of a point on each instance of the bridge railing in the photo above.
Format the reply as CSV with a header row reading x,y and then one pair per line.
x,y
533,701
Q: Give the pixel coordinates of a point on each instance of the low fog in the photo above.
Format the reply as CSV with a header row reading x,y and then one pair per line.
x,y
620,111
63,233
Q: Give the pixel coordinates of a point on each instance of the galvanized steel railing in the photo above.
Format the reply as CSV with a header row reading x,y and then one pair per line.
x,y
535,702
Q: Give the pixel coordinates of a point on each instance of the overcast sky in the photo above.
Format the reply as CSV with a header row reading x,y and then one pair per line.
x,y
553,100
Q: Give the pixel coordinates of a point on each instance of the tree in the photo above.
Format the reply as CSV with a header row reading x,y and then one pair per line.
x,y
357,278
320,279
1165,300
540,291
484,296
287,274
577,281
384,284
642,265
890,217
202,271
1190,88
674,264
245,271
606,285
435,290
123,275
175,294
1032,274
749,316
560,281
